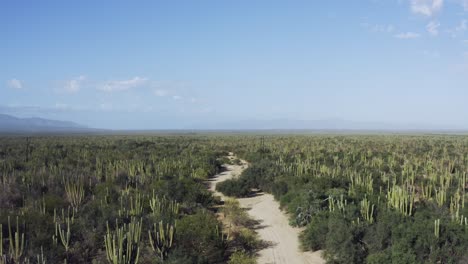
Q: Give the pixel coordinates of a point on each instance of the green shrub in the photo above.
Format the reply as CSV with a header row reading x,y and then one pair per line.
x,y
235,214
241,257
248,239
199,237
315,235
234,188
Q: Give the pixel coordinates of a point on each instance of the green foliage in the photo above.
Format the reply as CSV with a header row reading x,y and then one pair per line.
x,y
162,240
375,199
96,180
235,214
234,188
198,238
397,198
248,239
241,257
315,234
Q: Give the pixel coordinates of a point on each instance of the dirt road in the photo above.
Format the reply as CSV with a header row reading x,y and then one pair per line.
x,y
274,225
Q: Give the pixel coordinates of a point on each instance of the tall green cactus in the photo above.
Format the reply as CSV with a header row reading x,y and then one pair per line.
x,y
75,193
367,210
16,242
437,228
64,233
162,206
122,245
162,239
136,205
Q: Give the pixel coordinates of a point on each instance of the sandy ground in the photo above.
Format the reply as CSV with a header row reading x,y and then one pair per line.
x,y
274,225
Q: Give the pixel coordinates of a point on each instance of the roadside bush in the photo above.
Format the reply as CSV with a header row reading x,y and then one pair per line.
x,y
234,213
241,257
234,188
315,235
279,189
198,237
248,239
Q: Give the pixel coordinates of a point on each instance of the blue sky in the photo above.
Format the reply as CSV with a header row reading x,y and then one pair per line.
x,y
175,64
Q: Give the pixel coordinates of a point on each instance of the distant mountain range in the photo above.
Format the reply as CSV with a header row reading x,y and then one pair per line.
x,y
10,123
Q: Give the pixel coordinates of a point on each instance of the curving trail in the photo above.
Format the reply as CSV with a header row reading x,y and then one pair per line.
x,y
274,224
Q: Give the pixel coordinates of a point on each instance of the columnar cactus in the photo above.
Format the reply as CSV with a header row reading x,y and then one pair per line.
x,y
162,239
122,245
16,242
437,228
75,193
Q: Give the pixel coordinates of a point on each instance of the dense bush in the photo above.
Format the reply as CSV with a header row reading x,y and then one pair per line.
x,y
234,188
199,238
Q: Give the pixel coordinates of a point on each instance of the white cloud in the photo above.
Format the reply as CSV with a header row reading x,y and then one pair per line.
x,y
122,85
160,92
176,97
426,7
407,35
74,85
15,84
433,28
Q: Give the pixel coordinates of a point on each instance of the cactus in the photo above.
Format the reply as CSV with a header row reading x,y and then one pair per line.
x,y
440,197
162,240
437,228
40,259
162,205
136,206
16,242
122,245
75,193
64,234
367,210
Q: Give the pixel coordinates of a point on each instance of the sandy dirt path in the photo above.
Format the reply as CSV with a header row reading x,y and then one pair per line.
x,y
274,225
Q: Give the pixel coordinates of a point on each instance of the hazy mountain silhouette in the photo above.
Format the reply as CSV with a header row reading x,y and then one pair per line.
x,y
10,123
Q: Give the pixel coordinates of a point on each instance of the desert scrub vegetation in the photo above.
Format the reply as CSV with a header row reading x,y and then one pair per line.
x,y
109,199
129,199
240,234
365,199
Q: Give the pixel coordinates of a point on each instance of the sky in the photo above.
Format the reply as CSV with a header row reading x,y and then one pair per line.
x,y
178,64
